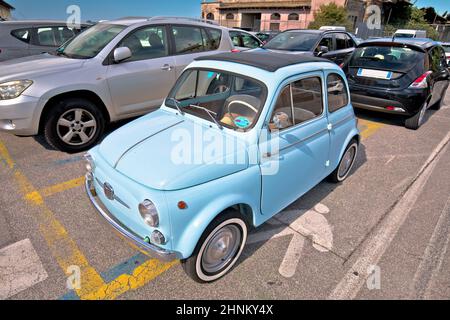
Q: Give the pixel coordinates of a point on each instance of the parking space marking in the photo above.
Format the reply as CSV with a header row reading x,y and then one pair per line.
x,y
20,269
375,247
67,254
370,128
58,188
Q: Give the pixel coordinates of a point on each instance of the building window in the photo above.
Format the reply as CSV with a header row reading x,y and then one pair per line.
x,y
293,17
229,16
275,16
210,16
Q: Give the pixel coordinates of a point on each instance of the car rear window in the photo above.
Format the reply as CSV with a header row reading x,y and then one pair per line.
x,y
22,35
390,58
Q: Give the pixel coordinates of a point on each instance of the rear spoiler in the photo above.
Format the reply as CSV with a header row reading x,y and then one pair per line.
x,y
392,44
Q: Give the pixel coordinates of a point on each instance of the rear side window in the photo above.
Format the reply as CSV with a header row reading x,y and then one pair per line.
x,y
46,37
23,35
189,39
387,58
214,39
343,41
337,92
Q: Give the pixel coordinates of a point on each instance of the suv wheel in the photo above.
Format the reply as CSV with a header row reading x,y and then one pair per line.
x,y
219,248
74,125
416,121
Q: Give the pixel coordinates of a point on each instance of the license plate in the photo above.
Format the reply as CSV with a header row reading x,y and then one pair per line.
x,y
378,74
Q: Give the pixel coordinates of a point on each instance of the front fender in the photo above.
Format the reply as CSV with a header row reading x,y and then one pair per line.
x,y
206,202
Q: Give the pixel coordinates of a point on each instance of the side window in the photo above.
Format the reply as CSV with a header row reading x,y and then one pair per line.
x,y
147,43
214,39
249,41
337,92
46,37
64,34
343,41
22,35
326,41
282,114
307,99
236,38
188,39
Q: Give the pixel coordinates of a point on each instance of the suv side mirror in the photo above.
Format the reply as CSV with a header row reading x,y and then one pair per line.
x,y
122,54
323,50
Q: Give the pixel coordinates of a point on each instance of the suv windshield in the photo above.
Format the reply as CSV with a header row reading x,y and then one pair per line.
x,y
399,59
232,101
89,43
293,41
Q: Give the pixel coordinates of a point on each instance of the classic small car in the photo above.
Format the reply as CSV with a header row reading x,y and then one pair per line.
x,y
240,137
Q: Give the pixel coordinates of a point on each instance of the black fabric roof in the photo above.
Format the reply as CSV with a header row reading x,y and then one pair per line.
x,y
265,60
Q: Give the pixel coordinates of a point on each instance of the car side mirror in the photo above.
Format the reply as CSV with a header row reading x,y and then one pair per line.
x,y
121,54
323,50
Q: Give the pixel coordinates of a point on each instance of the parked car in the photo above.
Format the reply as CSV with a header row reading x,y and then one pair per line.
x,y
243,40
279,126
401,76
335,45
409,33
266,36
446,46
114,70
26,38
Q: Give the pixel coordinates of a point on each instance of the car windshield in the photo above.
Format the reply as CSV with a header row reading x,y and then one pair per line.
x,y
293,41
226,99
404,35
90,42
399,59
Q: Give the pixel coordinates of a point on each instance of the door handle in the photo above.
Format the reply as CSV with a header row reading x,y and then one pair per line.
x,y
167,67
330,127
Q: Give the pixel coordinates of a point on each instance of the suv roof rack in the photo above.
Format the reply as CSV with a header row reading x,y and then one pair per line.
x,y
183,18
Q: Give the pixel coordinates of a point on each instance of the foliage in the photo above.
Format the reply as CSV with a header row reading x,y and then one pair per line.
x,y
417,21
330,15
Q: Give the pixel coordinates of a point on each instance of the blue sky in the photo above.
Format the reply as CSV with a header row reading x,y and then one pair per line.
x,y
108,9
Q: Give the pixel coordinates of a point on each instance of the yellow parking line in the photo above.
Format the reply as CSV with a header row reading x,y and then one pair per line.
x,y
371,128
65,250
58,188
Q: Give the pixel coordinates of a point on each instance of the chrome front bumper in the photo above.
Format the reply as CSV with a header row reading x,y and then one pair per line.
x,y
147,248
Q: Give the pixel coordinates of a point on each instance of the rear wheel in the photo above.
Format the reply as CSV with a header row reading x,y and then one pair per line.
x,y
219,248
74,125
345,166
416,121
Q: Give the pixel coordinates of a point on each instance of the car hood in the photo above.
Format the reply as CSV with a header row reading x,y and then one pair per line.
x,y
164,151
31,67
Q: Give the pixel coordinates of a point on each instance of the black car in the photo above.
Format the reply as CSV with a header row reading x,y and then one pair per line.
x,y
335,45
399,76
266,36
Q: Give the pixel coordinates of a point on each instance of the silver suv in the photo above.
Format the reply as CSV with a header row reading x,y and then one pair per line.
x,y
112,71
26,38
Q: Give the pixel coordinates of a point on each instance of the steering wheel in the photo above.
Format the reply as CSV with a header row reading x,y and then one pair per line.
x,y
240,100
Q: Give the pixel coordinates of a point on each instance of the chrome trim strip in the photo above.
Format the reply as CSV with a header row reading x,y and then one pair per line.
x,y
338,123
148,248
138,143
116,198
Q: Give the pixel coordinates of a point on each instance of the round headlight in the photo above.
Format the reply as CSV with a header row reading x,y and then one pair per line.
x,y
149,213
90,165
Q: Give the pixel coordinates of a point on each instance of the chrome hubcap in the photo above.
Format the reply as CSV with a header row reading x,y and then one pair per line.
x,y
422,113
76,127
347,162
221,249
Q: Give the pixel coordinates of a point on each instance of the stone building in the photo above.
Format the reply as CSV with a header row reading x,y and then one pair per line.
x,y
5,10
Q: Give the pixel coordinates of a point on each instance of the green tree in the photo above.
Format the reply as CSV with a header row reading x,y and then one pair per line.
x,y
330,15
417,21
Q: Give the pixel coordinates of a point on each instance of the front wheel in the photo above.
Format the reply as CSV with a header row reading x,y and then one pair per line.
x,y
345,166
74,125
219,248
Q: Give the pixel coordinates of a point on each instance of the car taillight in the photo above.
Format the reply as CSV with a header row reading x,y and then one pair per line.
x,y
235,50
421,82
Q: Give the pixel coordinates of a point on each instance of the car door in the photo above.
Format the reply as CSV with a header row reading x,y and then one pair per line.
x,y
344,47
340,116
141,83
329,42
440,74
295,155
15,43
190,42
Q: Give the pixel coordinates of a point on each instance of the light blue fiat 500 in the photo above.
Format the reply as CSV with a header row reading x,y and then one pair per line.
x,y
240,137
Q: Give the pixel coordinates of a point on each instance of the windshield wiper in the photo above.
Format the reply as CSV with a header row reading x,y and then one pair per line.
x,y
371,58
210,113
177,105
